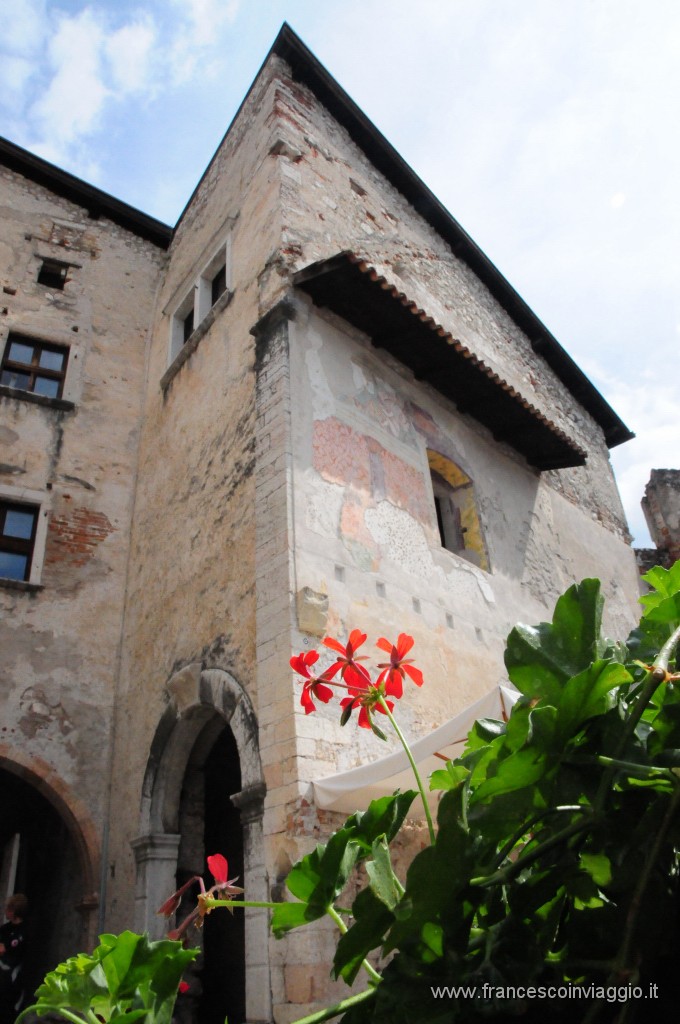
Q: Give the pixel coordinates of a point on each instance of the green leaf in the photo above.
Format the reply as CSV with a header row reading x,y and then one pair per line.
x,y
598,866
318,878
523,768
665,583
382,878
541,659
449,777
287,916
586,695
372,919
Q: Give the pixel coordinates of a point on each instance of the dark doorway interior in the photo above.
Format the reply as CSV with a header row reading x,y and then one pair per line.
x,y
209,823
38,857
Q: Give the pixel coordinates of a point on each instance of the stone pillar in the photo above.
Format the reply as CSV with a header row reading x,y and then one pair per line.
x,y
156,862
250,802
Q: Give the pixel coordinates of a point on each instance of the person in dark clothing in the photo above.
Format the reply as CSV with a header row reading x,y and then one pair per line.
x,y
12,958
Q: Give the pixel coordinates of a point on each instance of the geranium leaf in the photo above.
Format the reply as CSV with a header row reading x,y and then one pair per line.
x,y
381,876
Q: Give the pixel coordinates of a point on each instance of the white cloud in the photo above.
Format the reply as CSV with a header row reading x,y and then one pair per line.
x,y
71,103
129,51
25,30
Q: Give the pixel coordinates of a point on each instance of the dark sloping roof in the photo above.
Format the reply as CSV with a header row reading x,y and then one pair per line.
x,y
307,69
96,202
354,290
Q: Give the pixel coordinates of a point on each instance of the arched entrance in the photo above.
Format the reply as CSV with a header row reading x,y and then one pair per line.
x,y
203,793
49,851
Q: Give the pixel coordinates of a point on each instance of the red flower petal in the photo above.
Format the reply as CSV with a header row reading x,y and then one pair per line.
x,y
404,645
415,674
324,693
183,987
394,685
218,867
384,645
334,644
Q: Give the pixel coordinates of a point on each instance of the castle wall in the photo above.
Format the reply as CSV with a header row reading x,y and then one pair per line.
x,y
73,458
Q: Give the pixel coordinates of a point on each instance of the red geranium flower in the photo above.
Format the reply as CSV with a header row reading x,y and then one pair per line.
x,y
392,674
218,867
313,685
355,675
366,702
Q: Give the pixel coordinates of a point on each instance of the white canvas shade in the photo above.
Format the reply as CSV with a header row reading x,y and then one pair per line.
x,y
353,790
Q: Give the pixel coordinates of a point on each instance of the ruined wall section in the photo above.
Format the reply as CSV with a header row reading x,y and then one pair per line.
x,y
75,458
335,199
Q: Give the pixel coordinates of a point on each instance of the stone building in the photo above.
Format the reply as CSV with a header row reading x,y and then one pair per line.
x,y
313,404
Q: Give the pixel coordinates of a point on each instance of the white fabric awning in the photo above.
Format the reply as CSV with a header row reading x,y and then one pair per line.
x,y
353,790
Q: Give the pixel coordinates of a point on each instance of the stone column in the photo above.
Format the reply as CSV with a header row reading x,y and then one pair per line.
x,y
250,802
156,861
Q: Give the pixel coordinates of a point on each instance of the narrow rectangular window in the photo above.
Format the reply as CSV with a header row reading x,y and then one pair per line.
x,y
31,365
188,325
219,284
17,538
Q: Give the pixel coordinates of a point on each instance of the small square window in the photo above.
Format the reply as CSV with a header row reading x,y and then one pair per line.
x,y
17,538
53,273
36,366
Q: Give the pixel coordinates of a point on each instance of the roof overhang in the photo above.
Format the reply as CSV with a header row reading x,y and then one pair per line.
x,y
355,291
97,203
307,69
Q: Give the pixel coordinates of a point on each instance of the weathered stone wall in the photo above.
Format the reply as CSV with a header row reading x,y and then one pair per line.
x,y
334,199
661,506
77,459
192,580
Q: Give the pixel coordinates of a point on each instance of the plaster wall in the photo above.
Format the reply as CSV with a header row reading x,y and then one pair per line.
x,y
76,458
367,547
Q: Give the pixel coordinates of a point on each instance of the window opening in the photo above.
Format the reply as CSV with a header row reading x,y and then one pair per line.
x,y
29,365
188,325
219,283
53,273
17,538
455,507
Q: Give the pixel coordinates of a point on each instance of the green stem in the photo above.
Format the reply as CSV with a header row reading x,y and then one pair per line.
x,y
38,1009
633,768
510,870
667,651
523,829
210,903
342,928
335,1011
643,881
419,781
655,677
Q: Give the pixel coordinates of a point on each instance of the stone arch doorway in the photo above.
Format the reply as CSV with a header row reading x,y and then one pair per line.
x,y
203,793
49,850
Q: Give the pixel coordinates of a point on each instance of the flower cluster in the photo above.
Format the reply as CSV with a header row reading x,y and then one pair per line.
x,y
223,887
363,693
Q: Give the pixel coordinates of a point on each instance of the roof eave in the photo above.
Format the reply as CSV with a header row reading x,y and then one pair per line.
x,y
306,68
94,200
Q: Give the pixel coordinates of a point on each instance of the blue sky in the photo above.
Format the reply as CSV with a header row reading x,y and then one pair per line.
x,y
548,129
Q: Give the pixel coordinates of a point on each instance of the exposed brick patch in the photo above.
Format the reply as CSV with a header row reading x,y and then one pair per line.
x,y
74,536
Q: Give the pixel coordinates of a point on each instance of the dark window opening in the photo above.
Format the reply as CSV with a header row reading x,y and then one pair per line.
x,y
219,284
188,326
30,365
17,538
53,273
